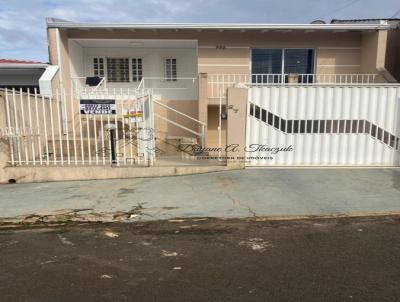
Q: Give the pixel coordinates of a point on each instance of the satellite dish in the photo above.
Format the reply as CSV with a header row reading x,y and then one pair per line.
x,y
318,22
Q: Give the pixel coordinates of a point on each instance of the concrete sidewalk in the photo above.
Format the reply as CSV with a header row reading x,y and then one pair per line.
x,y
233,194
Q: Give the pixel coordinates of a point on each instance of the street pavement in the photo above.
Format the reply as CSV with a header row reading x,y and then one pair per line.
x,y
347,259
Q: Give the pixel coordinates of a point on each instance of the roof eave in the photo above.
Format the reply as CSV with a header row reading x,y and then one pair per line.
x,y
218,26
22,66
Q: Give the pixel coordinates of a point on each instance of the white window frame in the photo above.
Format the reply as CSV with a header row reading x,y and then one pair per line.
x,y
104,66
130,67
170,77
138,75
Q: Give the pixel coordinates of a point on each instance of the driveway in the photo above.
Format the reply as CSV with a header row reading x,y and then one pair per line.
x,y
233,194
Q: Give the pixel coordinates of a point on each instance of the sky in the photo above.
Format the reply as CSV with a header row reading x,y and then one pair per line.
x,y
23,26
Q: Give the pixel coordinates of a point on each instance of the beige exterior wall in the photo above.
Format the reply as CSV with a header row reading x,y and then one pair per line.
x,y
373,55
168,135
212,127
64,70
393,53
338,60
229,51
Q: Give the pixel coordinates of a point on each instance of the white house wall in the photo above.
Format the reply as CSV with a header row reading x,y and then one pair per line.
x,y
76,59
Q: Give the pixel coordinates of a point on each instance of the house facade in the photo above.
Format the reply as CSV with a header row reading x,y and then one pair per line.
x,y
188,65
235,94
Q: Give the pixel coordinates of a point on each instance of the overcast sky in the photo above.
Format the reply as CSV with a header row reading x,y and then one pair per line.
x,y
23,29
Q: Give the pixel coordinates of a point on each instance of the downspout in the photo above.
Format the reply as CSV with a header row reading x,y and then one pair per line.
x,y
61,90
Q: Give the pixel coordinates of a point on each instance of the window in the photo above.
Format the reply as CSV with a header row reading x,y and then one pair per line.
x,y
137,70
98,67
273,65
299,61
170,70
118,69
267,61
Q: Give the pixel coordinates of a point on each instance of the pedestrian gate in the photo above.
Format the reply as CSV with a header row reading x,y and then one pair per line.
x,y
67,130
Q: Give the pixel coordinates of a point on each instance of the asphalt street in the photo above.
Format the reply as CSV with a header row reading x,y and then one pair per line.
x,y
347,259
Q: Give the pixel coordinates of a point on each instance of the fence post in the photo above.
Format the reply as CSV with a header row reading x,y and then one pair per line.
x,y
4,144
236,133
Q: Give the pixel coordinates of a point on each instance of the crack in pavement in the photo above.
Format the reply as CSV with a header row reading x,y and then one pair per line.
x,y
237,202
226,182
74,215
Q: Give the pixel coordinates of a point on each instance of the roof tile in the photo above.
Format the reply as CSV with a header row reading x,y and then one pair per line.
x,y
12,61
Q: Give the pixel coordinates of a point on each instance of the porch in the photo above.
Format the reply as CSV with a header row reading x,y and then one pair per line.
x,y
121,67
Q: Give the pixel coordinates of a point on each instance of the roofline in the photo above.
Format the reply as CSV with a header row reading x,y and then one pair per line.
x,y
51,23
24,65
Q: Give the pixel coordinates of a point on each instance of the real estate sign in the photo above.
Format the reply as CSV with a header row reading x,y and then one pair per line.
x,y
91,106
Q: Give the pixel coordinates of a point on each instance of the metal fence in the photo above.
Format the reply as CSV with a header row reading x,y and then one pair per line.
x,y
218,83
63,130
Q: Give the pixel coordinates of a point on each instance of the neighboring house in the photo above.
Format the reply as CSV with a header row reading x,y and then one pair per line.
x,y
21,74
191,65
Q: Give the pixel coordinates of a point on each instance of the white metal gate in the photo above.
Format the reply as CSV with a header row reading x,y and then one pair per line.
x,y
323,125
117,128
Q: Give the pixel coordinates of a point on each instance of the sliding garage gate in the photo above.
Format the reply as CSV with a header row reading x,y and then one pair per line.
x,y
323,126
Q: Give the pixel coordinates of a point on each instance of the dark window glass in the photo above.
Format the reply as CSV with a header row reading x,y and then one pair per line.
x,y
299,61
117,69
266,61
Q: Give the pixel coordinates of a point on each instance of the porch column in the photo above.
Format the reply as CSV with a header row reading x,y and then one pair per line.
x,y
236,126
